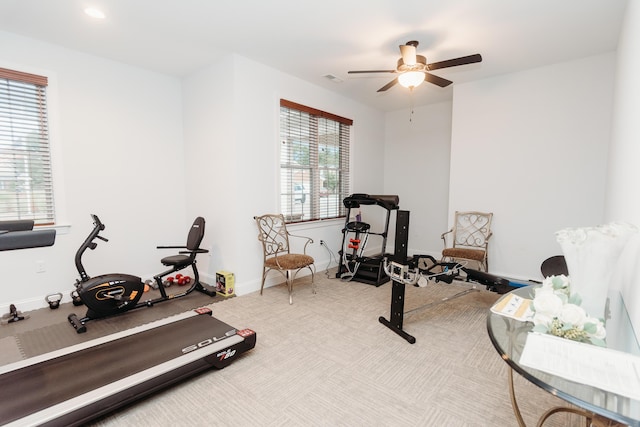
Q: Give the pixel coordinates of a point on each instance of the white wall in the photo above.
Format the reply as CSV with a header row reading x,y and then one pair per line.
x,y
212,185
231,138
148,153
118,152
623,186
532,148
417,154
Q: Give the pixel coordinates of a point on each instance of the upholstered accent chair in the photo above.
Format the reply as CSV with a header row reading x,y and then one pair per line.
x,y
274,237
468,239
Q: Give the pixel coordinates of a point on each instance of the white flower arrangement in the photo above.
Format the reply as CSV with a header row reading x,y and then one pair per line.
x,y
557,312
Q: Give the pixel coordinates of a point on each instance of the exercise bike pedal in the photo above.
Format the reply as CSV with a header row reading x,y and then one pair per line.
x,y
77,323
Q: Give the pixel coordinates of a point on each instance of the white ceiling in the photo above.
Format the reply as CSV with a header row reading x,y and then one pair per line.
x,y
312,39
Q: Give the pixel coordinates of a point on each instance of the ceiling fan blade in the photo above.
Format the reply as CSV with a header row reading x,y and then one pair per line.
x,y
408,54
431,78
371,71
388,85
455,62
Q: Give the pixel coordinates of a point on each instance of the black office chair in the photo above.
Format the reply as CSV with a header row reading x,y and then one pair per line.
x,y
187,257
554,266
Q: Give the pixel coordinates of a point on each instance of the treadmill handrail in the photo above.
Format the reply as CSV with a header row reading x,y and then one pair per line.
x,y
388,202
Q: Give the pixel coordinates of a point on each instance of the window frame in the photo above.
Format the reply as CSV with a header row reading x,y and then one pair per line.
x,y
323,204
32,89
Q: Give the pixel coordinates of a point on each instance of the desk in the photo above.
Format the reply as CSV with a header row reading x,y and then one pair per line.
x,y
509,336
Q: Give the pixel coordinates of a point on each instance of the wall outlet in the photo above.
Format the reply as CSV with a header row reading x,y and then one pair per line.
x,y
40,267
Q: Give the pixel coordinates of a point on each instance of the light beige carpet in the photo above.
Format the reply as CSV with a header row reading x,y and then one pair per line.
x,y
327,361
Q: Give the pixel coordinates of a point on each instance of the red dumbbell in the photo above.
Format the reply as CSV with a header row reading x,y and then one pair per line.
x,y
183,280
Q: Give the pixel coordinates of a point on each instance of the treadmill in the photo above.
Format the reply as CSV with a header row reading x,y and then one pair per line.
x,y
355,265
71,386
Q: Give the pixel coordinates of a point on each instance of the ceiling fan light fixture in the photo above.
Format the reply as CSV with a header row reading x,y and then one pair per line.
x,y
95,13
411,79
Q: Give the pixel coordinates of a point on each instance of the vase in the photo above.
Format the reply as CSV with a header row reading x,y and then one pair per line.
x,y
592,254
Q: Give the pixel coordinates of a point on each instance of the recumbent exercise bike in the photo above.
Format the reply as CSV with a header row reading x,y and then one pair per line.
x,y
115,293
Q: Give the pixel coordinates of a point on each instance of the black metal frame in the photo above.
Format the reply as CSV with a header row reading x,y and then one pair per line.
x,y
396,315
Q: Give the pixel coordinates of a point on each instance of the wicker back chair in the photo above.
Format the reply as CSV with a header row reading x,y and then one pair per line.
x,y
469,238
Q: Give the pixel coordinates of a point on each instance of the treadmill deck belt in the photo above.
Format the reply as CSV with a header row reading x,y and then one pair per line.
x,y
68,377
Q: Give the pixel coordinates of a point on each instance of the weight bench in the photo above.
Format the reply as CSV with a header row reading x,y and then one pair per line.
x,y
500,285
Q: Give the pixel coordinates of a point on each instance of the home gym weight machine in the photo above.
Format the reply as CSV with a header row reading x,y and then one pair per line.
x,y
354,264
405,271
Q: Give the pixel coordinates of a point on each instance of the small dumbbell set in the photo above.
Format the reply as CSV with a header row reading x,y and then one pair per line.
x,y
179,280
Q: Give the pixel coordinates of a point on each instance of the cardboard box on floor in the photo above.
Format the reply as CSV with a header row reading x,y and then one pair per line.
x,y
225,283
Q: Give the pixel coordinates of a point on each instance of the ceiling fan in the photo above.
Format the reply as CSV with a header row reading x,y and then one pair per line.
x,y
413,69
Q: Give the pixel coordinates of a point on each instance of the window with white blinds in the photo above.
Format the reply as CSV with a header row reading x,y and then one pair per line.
x,y
314,162
26,187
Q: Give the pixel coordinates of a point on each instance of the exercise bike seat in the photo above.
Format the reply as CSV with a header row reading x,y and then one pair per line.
x,y
185,258
188,256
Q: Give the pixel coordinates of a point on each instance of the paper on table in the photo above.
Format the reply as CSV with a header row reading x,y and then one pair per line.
x,y
513,306
600,367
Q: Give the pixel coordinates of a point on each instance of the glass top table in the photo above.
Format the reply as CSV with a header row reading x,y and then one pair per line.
x,y
509,336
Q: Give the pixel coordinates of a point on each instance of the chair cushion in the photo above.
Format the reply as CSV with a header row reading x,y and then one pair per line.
x,y
474,254
176,260
289,261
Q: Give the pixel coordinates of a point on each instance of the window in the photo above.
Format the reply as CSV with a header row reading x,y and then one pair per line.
x,y
26,187
314,163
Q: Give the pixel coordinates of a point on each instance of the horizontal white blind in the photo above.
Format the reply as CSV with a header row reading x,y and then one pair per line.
x,y
26,186
314,163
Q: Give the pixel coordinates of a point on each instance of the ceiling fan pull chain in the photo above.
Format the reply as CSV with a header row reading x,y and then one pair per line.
x,y
410,104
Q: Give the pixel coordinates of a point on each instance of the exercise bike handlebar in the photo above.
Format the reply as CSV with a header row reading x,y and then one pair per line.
x,y
89,243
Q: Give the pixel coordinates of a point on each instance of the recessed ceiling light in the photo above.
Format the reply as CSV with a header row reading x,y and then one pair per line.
x,y
94,13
